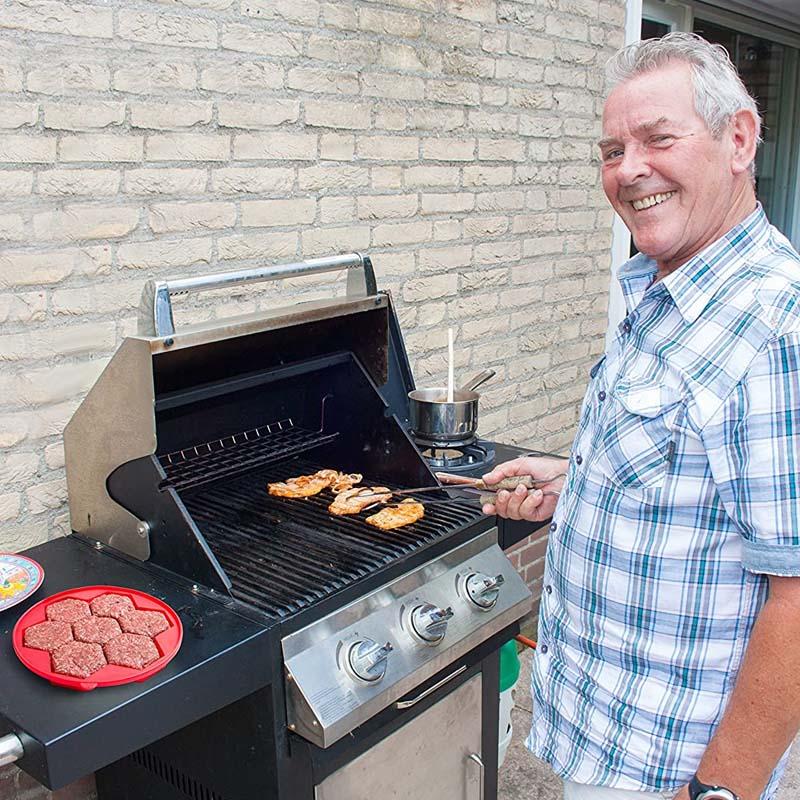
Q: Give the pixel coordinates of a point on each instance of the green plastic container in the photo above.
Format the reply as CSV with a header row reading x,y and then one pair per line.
x,y
509,665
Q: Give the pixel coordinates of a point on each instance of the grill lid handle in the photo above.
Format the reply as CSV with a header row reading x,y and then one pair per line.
x,y
155,308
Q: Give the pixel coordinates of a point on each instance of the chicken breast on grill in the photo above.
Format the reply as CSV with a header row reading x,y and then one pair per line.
x,y
396,516
308,485
352,501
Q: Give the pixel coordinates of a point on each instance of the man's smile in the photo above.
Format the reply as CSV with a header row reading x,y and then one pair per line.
x,y
650,200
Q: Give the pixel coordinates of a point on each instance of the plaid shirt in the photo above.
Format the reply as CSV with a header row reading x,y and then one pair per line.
x,y
681,496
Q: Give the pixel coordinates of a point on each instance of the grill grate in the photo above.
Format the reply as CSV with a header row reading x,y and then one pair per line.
x,y
224,458
282,555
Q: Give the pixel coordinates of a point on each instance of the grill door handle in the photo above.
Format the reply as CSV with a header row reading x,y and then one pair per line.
x,y
10,749
430,690
479,761
155,308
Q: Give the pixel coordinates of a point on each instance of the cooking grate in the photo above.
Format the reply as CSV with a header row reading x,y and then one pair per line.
x,y
232,455
282,555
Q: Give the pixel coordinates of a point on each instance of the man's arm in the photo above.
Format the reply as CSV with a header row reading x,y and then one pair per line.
x,y
763,715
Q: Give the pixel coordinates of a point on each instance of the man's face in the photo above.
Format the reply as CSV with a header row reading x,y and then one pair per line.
x,y
666,176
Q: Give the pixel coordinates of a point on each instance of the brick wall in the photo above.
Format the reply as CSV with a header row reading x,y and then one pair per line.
x,y
451,139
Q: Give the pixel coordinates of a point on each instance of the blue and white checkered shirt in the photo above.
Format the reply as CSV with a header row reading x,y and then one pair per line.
x,y
683,493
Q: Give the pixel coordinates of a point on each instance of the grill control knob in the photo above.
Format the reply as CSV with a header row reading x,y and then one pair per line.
x,y
430,623
367,659
483,590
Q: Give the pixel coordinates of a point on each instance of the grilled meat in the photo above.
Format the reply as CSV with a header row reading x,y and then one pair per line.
x,y
396,516
352,501
308,485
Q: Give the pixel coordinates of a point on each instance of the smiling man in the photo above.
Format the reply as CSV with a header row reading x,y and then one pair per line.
x,y
669,632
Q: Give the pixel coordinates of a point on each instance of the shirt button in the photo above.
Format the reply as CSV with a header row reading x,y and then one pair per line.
x,y
579,459
553,526
543,648
626,326
601,395
548,589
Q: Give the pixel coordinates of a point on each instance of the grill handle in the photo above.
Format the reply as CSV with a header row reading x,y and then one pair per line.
x,y
10,749
155,309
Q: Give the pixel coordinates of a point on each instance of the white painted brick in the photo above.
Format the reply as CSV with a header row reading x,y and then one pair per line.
x,y
161,253
493,121
66,340
337,209
12,228
387,177
305,12
528,98
46,496
391,23
252,180
481,227
458,63
431,176
534,223
484,328
157,181
337,147
481,175
26,268
542,127
453,33
283,213
495,42
494,95
53,384
446,229
522,16
10,505
267,114
78,222
501,150
11,77
332,177
188,147
167,29
194,217
450,203
68,78
504,200
409,58
246,76
21,149
257,245
439,259
386,206
392,86
474,10
318,80
18,115
101,147
430,288
272,146
170,116
388,148
335,114
77,182
246,39
48,16
389,118
394,234
330,240
109,298
566,27
448,149
454,92
531,46
519,71
352,50
18,468
153,76
23,307
497,252
83,116
441,120
15,183
339,15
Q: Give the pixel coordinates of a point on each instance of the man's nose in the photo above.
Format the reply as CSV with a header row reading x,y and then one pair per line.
x,y
634,166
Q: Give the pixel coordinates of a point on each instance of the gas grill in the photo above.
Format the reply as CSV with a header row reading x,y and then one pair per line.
x,y
318,648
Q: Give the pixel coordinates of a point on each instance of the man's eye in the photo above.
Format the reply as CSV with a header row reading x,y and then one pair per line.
x,y
612,155
662,140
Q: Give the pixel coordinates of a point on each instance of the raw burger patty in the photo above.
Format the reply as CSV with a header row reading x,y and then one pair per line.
x,y
131,650
111,605
96,629
79,659
69,610
147,623
47,635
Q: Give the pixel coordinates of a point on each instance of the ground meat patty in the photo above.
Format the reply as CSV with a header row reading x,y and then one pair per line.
x,y
147,623
111,605
131,650
96,629
69,610
79,659
47,635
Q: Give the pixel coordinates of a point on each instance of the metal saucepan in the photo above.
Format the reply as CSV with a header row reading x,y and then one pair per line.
x,y
434,419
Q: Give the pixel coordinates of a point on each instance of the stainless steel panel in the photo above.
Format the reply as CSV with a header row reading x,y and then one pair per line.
x,y
325,702
113,425
433,757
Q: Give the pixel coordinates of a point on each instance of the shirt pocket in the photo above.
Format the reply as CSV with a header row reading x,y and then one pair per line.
x,y
638,442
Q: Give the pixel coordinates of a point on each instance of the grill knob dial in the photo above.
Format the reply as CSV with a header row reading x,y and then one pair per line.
x,y
367,659
483,590
430,622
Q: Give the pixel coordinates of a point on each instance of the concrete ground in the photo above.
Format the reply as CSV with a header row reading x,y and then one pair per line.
x,y
523,777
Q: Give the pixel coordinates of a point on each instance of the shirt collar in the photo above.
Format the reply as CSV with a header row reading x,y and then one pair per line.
x,y
694,284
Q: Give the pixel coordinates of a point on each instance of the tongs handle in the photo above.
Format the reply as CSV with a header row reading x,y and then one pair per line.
x,y
155,309
528,481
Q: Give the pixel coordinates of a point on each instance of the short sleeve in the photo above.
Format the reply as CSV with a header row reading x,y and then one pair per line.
x,y
753,447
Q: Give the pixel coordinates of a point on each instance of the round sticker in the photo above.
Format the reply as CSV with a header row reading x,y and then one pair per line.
x,y
20,577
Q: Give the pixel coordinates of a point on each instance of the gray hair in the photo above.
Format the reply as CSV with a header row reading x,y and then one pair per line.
x,y
718,90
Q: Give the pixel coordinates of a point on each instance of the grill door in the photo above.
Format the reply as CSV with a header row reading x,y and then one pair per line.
x,y
435,756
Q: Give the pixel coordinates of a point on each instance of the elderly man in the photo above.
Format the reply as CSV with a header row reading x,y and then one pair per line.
x,y
669,634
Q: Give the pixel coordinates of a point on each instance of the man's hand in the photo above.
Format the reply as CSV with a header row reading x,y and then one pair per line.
x,y
683,793
534,506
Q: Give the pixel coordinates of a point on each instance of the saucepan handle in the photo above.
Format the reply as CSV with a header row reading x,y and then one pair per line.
x,y
11,749
155,309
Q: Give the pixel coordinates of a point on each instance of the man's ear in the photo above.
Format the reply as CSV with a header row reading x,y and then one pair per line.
x,y
742,132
